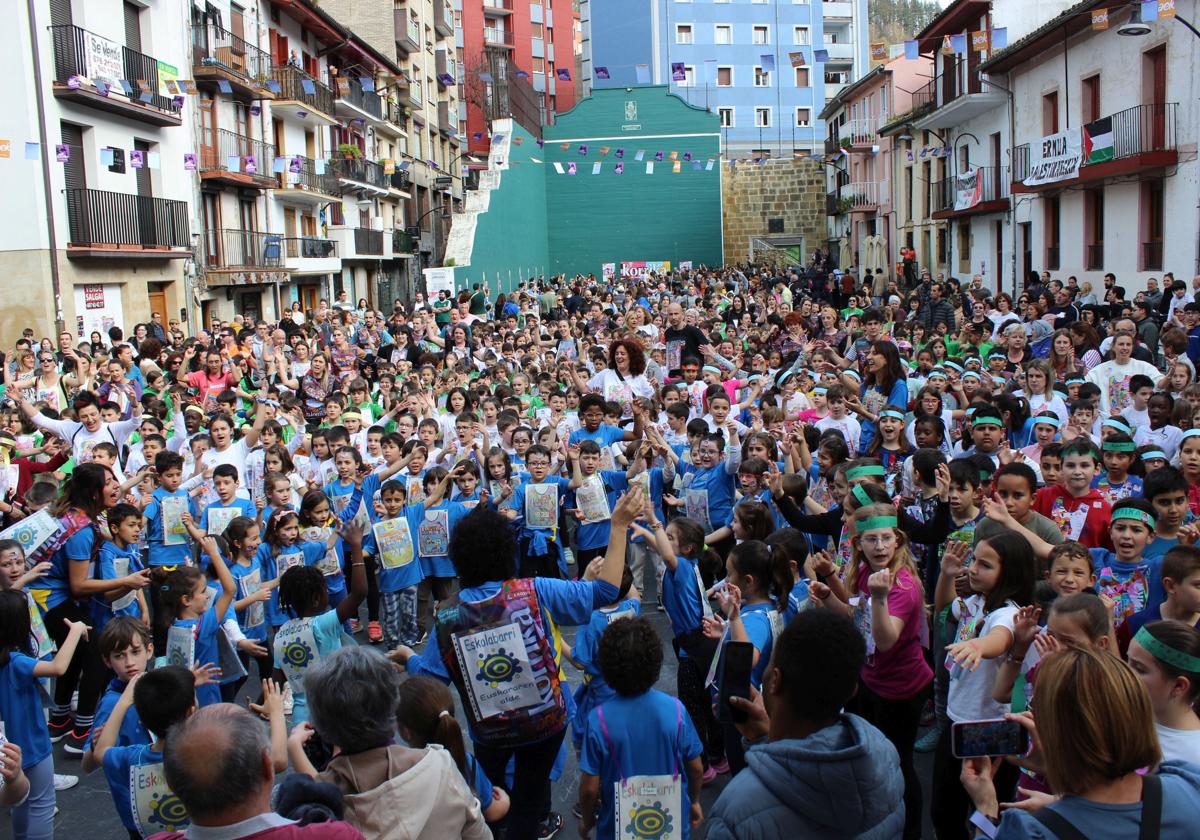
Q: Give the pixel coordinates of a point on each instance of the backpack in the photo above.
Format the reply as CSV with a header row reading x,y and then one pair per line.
x,y
498,654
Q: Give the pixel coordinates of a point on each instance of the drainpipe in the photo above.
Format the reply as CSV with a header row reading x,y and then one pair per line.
x,y
43,137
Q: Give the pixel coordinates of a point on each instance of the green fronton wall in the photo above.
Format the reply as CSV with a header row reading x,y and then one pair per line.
x,y
609,218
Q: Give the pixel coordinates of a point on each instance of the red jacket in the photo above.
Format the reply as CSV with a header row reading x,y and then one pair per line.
x,y
1068,513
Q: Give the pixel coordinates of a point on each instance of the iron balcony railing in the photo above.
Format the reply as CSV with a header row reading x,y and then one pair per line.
x,y
1135,131
497,37
301,174
1152,256
310,248
497,6
295,84
213,46
96,217
925,97
1095,257
1052,258
368,242
363,171
72,48
352,92
242,249
402,242
400,180
994,181
244,148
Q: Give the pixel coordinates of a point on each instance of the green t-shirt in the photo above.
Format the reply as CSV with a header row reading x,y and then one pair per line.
x,y
441,312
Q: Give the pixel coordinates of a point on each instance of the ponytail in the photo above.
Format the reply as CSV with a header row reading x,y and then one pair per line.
x,y
770,570
426,710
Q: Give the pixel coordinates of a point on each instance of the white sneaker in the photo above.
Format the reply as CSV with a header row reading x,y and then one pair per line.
x,y
62,782
289,701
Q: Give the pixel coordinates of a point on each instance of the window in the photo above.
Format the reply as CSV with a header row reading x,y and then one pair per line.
x,y
723,33
1050,225
724,77
539,64
1153,213
726,115
803,117
760,35
683,33
1093,229
762,78
762,117
802,79
964,247
1050,114
536,30
1090,101
800,35
689,76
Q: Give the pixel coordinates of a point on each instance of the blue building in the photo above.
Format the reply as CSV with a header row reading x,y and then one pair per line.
x,y
711,54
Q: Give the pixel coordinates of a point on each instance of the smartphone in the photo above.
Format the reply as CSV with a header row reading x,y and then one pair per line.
x,y
988,737
733,677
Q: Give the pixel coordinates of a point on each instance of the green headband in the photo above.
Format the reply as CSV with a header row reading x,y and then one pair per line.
x,y
876,522
985,420
867,471
1134,514
859,493
891,412
1119,446
1165,653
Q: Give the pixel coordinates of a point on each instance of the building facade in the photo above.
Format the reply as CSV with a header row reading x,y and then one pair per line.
x,y
513,54
98,228
734,59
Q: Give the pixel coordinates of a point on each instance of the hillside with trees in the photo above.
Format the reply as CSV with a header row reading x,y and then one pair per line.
x,y
894,21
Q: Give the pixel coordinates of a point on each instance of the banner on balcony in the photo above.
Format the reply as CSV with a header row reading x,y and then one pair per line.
x,y
969,190
1055,158
168,78
104,60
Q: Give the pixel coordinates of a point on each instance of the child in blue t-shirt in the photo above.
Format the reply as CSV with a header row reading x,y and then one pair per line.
x,y
640,750
168,545
534,509
227,506
160,698
398,570
126,649
119,557
195,616
595,493
21,708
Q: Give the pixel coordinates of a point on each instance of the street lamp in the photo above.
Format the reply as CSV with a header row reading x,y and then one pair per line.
x,y
1135,27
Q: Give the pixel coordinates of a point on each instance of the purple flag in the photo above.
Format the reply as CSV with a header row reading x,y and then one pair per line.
x,y
620,170
177,101
73,83
959,43
912,50
224,86
62,153
564,75
485,77
189,161
583,150
820,56
521,74
305,84
541,143
687,155
295,165
251,165
478,135
602,73
678,72
658,156
367,83
446,79
102,87
255,110
571,168
620,153
137,158
999,37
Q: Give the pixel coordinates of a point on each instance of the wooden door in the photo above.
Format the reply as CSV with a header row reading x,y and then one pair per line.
x,y
279,48
310,145
212,228
309,295
208,130
1157,59
158,302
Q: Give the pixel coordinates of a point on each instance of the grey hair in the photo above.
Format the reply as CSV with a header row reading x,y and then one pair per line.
x,y
359,679
213,760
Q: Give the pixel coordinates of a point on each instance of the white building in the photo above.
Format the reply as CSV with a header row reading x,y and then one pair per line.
x,y
97,230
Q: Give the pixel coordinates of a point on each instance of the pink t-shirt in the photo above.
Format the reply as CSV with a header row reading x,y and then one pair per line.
x,y
902,671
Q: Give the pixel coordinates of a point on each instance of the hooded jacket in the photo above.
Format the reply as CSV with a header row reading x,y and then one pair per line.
x,y
840,782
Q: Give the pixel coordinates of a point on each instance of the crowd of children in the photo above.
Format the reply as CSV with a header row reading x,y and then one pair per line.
x,y
973,510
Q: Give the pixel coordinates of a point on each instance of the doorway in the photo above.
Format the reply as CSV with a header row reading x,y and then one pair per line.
x,y
1026,251
157,294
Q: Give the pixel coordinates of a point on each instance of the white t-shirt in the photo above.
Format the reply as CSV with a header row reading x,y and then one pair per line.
x,y
81,440
613,388
1167,438
850,428
1113,381
970,696
1179,744
236,454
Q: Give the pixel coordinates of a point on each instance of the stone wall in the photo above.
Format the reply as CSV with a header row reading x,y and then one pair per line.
x,y
791,190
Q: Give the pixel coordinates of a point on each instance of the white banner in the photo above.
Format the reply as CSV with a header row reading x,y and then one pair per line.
x,y
969,190
104,61
437,279
1055,158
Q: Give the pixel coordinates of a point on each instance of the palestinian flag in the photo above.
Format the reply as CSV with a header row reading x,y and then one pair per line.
x,y
1098,141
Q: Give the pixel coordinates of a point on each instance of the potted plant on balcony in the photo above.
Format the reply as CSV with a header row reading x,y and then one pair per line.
x,y
845,203
845,143
349,151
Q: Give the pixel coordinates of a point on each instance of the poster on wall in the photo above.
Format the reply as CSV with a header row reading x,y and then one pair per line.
x,y
685,265
642,270
105,62
608,271
969,190
437,279
1055,158
168,76
98,307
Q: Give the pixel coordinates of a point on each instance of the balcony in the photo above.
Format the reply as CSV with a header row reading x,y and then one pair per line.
x,y
956,102
311,255
401,182
77,79
860,196
441,67
447,117
357,243
443,18
242,249
220,56
924,98
840,11
300,183
109,224
861,133
403,244
993,193
236,160
831,204
1095,257
1144,143
1152,256
408,31
356,173
301,97
408,95
394,118
496,37
497,8
352,102
839,52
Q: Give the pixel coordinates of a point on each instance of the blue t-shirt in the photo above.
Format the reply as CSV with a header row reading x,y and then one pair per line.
x,y
244,507
594,690
21,709
431,528
681,597
539,539
717,485
132,731
56,583
205,631
308,553
1133,586
648,735
327,632
256,630
796,598
757,619
160,554
604,436
596,534
397,577
118,761
100,607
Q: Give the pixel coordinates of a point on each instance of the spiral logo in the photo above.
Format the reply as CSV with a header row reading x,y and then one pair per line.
x,y
649,822
25,535
169,812
297,654
499,667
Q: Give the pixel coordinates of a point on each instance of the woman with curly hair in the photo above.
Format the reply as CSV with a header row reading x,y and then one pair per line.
x,y
624,379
